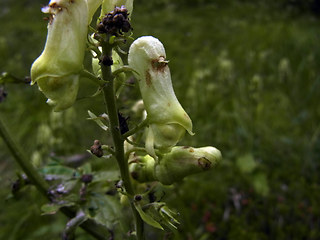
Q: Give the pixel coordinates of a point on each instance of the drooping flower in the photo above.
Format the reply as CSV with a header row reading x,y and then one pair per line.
x,y
57,69
167,119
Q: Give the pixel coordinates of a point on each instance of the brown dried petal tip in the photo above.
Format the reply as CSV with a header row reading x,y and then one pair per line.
x,y
96,149
86,178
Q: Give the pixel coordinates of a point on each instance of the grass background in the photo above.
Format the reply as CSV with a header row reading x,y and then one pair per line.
x,y
247,72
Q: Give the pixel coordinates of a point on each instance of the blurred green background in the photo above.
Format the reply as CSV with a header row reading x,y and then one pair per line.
x,y
247,72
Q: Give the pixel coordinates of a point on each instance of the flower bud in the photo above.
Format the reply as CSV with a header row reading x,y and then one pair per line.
x,y
57,69
167,119
175,165
116,64
142,168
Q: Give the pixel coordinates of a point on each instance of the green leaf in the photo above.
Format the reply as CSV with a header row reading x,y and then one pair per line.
x,y
105,209
55,169
106,176
160,212
52,208
97,120
85,169
147,218
168,217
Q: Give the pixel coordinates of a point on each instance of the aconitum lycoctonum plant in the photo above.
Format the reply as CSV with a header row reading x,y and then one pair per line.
x,y
146,152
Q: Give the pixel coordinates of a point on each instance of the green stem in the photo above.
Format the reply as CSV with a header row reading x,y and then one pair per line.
x,y
110,102
92,77
136,129
23,162
96,230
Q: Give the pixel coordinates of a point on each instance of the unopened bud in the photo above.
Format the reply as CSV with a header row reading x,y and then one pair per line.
x,y
96,149
138,197
87,178
175,165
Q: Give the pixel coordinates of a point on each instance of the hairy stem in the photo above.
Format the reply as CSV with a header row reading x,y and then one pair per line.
x,y
110,102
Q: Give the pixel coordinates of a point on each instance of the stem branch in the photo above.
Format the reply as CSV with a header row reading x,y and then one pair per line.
x,y
136,129
23,162
92,77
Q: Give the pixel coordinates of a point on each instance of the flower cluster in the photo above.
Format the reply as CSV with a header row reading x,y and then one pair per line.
x,y
167,121
58,69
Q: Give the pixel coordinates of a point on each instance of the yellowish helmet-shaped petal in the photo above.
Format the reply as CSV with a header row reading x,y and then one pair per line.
x,y
61,92
168,120
57,68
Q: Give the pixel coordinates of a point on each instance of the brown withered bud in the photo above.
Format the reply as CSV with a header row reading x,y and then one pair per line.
x,y
106,60
101,28
96,149
138,197
86,178
115,22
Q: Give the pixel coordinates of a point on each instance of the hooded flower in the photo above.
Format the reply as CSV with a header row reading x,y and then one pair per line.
x,y
167,119
57,69
175,165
